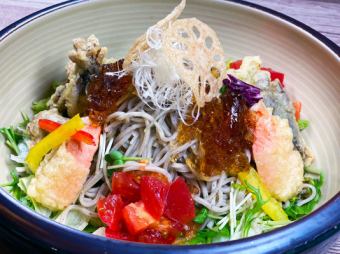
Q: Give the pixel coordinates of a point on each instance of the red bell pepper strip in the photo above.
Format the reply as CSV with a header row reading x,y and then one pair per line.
x,y
297,105
275,75
235,65
81,136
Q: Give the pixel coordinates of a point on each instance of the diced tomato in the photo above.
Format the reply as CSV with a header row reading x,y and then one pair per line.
x,y
120,235
123,183
80,136
151,235
235,65
180,205
275,75
136,217
110,210
297,105
167,226
153,194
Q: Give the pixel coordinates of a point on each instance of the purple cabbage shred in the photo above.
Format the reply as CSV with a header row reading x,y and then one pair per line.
x,y
251,94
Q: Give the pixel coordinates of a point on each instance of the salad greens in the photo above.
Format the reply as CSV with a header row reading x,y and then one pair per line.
x,y
250,214
13,136
201,216
17,190
41,105
303,124
206,236
246,218
294,211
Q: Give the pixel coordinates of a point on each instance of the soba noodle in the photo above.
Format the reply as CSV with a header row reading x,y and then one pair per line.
x,y
138,130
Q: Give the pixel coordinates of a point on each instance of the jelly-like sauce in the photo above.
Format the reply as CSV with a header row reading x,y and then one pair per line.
x,y
221,132
106,91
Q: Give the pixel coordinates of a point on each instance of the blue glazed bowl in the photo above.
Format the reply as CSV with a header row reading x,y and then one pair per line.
x,y
33,52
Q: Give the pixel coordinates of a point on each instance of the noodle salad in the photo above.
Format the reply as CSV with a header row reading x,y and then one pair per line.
x,y
172,144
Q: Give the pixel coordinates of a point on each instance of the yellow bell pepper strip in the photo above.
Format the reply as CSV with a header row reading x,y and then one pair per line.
x,y
53,140
271,206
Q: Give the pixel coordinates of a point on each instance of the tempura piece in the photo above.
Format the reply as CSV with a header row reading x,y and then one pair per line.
x,y
278,164
60,177
85,61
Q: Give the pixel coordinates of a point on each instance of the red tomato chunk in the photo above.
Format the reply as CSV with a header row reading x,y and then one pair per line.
x,y
119,235
153,194
144,207
136,217
123,183
180,205
110,210
151,235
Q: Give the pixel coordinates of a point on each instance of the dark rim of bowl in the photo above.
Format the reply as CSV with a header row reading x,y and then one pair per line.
x,y
328,213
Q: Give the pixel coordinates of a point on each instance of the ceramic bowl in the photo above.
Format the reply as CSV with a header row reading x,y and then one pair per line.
x,y
33,52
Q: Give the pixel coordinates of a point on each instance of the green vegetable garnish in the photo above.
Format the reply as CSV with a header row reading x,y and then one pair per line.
x,y
90,228
54,85
303,124
25,120
113,155
201,216
13,136
40,105
238,186
250,214
206,236
12,139
294,211
15,179
117,158
223,89
118,162
16,191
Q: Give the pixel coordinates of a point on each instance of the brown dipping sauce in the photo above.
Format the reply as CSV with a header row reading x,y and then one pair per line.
x,y
106,92
221,132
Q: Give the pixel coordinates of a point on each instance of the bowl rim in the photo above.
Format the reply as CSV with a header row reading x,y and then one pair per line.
x,y
275,240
